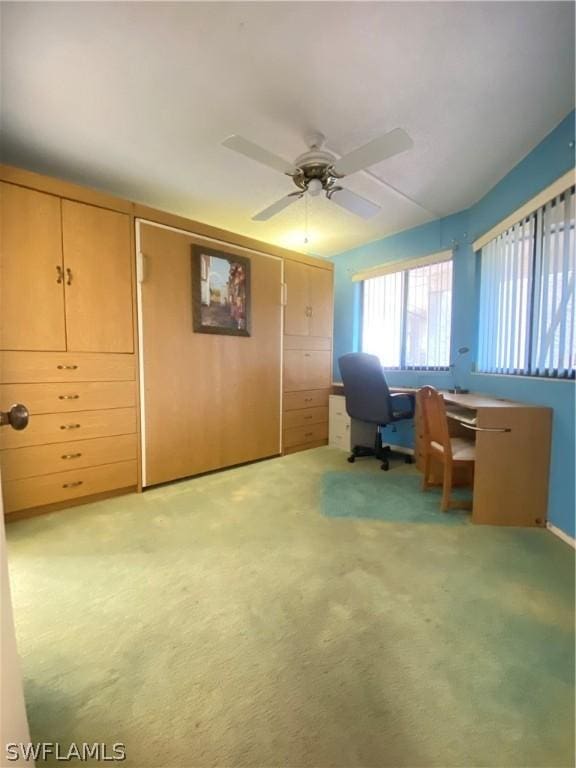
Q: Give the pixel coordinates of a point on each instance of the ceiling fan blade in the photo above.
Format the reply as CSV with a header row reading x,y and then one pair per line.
x,y
354,203
278,206
375,151
261,155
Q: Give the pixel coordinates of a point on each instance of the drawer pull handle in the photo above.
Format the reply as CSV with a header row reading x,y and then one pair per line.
x,y
307,399
70,426
71,455
68,276
307,418
308,434
306,354
66,367
68,397
75,484
59,274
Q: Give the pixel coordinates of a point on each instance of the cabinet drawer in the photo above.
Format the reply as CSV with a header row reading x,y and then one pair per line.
x,y
338,408
302,435
75,396
18,463
341,441
29,367
306,369
65,427
64,486
313,398
305,416
307,342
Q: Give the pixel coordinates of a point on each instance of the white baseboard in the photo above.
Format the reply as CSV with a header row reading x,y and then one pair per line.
x,y
561,535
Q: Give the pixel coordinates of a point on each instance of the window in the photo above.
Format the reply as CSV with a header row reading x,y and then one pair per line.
x,y
406,317
527,295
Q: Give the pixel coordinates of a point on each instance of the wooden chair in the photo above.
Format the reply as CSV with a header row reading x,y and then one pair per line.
x,y
450,451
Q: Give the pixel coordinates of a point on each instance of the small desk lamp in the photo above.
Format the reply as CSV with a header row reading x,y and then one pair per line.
x,y
456,388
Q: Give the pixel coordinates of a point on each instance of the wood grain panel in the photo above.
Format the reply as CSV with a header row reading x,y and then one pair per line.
x,y
211,401
64,427
60,398
306,370
99,284
305,416
307,342
31,281
63,486
320,291
66,367
304,447
18,463
511,471
301,435
306,399
296,320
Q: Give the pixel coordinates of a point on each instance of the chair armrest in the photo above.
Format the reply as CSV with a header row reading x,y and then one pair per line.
x,y
403,405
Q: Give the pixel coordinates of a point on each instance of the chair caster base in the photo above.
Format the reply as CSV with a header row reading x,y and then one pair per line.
x,y
351,459
385,466
408,459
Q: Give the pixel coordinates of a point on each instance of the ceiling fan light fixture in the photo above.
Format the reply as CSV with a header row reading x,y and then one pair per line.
x,y
314,187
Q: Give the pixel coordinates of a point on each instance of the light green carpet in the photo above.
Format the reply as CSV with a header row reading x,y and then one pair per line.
x,y
225,621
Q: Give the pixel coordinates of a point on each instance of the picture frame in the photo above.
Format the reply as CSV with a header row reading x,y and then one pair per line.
x,y
220,292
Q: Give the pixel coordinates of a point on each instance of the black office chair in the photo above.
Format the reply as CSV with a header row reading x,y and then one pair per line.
x,y
368,399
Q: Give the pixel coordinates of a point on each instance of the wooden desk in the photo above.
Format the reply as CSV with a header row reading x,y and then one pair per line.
x,y
512,455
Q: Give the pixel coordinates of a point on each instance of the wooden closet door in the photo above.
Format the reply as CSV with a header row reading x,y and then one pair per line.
x,y
31,283
320,291
98,264
296,311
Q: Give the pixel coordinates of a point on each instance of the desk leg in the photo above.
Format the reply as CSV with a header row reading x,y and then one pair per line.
x,y
512,468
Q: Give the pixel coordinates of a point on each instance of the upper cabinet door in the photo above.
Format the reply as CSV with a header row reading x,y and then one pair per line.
x,y
297,309
31,276
320,291
98,279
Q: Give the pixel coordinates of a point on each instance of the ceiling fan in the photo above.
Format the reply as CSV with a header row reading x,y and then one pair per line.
x,y
318,170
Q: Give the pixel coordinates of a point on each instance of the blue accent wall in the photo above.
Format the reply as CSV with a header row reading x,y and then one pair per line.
x,y
550,159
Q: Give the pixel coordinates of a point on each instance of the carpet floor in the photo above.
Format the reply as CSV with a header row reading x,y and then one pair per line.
x,y
232,621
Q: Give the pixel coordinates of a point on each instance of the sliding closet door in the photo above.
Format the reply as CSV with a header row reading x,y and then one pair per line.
x,y
210,401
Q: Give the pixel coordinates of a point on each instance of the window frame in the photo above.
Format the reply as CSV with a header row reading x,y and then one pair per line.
x,y
404,317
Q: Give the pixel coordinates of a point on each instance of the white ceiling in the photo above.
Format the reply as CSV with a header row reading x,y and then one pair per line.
x,y
135,98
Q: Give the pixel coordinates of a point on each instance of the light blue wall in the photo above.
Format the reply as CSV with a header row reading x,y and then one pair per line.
x,y
549,160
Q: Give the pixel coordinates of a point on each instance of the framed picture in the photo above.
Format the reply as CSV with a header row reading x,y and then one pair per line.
x,y
220,292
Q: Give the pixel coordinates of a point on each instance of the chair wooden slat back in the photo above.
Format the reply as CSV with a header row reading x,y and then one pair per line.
x,y
434,419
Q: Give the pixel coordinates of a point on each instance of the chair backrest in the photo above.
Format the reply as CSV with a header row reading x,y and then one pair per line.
x,y
367,394
430,404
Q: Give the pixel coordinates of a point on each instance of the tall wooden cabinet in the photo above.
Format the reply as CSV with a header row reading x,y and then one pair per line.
x,y
66,348
307,354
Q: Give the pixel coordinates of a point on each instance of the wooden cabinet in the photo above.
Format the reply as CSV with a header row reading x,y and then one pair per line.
x,y
308,310
31,270
66,340
305,420
307,355
65,275
98,278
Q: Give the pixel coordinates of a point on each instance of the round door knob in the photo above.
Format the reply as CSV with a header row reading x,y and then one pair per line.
x,y
18,416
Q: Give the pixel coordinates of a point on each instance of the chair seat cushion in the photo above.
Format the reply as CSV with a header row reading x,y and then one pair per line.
x,y
462,449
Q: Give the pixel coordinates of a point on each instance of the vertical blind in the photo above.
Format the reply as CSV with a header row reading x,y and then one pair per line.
x,y
407,317
383,309
428,316
527,295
